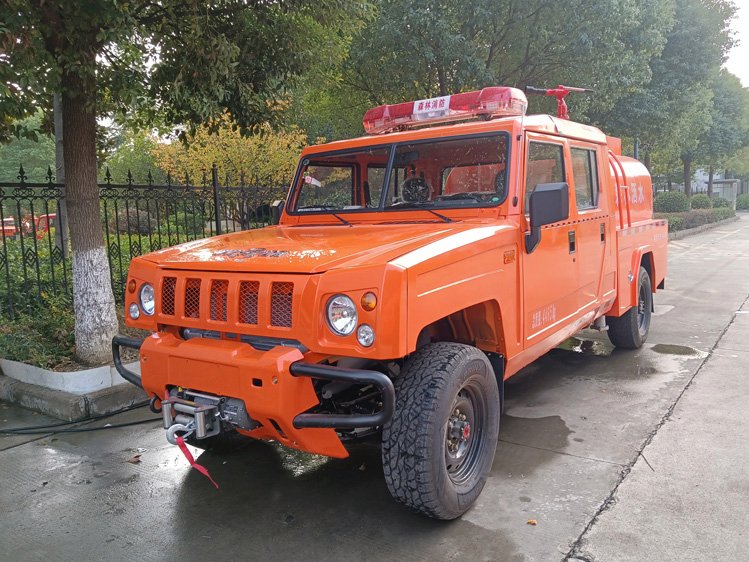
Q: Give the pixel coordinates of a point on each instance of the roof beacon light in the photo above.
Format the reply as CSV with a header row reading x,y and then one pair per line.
x,y
490,102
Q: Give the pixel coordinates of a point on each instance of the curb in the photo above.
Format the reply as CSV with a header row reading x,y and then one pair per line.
x,y
66,405
702,228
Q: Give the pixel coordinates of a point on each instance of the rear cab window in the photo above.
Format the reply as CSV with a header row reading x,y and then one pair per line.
x,y
585,177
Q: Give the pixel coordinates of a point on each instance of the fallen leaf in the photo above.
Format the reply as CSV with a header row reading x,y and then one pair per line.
x,y
532,522
134,460
363,467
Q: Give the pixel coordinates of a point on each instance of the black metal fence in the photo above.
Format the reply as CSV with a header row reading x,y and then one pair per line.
x,y
136,218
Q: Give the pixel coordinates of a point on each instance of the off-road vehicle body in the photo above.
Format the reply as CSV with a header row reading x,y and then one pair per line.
x,y
411,272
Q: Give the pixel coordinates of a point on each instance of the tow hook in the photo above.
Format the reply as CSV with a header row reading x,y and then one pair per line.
x,y
185,430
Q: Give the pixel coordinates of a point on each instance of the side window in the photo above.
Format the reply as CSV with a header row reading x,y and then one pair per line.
x,y
585,173
545,165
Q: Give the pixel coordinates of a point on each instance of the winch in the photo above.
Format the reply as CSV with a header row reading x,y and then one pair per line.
x,y
188,412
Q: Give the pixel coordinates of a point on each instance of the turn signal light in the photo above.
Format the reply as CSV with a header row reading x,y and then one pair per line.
x,y
131,286
368,301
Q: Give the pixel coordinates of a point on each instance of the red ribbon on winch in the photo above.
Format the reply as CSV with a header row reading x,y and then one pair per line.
x,y
188,455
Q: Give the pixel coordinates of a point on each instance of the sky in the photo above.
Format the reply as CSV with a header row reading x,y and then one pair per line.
x,y
738,58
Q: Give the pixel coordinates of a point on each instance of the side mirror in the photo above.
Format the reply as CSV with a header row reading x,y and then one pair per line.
x,y
276,210
549,203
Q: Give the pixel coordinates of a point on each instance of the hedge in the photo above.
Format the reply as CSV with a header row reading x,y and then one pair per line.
x,y
701,201
671,202
742,202
720,202
695,218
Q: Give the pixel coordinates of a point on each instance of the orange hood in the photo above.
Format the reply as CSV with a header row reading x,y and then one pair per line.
x,y
305,249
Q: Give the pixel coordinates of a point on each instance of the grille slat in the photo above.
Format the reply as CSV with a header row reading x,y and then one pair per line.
x,y
219,299
242,303
192,298
281,301
248,301
167,295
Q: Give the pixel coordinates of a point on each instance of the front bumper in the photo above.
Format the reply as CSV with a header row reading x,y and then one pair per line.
x,y
274,384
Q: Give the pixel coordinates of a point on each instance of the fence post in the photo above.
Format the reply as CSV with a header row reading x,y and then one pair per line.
x,y
216,198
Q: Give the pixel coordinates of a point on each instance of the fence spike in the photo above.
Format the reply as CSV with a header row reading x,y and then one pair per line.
x,y
21,174
108,177
241,178
187,179
205,178
50,175
168,179
149,179
129,177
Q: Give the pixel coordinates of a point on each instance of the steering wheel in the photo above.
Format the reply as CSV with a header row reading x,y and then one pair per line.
x,y
416,190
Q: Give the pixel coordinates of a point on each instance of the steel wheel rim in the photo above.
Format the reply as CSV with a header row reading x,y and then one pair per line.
x,y
643,316
463,446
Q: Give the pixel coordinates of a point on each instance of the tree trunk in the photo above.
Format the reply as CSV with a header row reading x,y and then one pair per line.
x,y
670,183
442,79
93,300
710,175
687,176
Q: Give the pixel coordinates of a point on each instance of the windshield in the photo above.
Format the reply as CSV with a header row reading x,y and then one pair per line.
x,y
457,172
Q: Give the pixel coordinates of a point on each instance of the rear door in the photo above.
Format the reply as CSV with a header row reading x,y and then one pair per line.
x,y
592,225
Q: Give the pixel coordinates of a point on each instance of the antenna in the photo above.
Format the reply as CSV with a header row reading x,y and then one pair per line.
x,y
560,92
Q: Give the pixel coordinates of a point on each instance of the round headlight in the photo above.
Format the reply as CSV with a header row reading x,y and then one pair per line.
x,y
146,296
341,313
366,335
134,311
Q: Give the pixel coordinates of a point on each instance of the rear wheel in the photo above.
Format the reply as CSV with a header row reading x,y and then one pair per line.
x,y
438,448
630,330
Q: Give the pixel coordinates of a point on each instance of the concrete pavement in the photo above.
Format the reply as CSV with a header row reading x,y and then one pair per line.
x,y
687,495
570,457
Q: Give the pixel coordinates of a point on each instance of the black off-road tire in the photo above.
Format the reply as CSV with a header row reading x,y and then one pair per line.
x,y
437,381
630,330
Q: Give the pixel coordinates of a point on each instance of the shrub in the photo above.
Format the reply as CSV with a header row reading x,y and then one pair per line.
x,y
42,336
701,201
671,202
742,202
722,213
720,202
675,223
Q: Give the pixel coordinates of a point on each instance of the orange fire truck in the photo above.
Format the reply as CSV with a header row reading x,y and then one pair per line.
x,y
411,272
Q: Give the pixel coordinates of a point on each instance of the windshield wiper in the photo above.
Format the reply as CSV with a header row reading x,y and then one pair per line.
x,y
324,208
340,218
420,205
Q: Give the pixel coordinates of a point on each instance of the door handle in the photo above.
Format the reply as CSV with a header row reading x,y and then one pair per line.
x,y
571,238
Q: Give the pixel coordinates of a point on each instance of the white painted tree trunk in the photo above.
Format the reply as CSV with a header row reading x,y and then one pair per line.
x,y
95,319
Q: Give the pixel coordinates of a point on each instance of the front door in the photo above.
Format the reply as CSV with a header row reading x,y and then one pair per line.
x,y
550,273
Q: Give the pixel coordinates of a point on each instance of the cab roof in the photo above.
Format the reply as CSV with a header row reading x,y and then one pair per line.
x,y
536,123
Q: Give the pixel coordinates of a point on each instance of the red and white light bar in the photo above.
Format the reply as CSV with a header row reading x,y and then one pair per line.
x,y
490,102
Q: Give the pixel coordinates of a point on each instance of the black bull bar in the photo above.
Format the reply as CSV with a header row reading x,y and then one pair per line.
x,y
302,369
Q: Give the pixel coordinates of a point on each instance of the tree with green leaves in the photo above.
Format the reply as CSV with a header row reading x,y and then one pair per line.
x,y
36,152
414,50
172,62
729,124
671,112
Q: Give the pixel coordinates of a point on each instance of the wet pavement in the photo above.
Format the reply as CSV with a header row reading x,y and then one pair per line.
x,y
576,423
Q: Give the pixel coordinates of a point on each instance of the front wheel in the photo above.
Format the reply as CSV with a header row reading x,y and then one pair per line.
x,y
630,330
438,448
